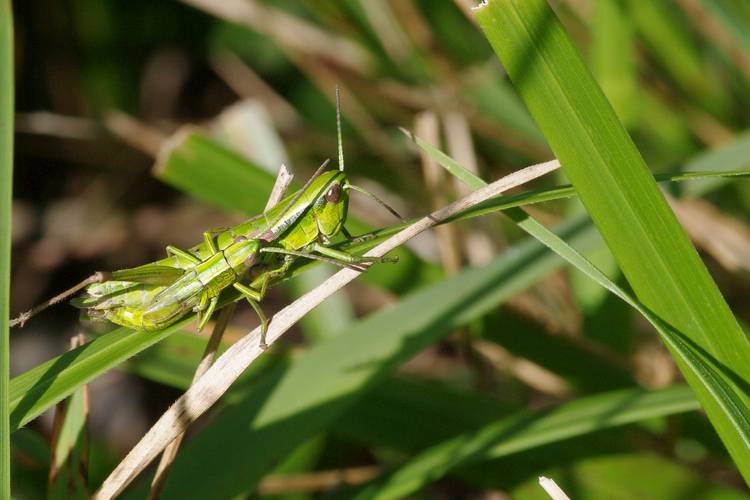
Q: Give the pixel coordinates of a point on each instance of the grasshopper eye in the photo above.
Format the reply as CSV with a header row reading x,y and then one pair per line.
x,y
334,194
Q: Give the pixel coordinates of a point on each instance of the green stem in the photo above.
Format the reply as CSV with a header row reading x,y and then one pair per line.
x,y
6,185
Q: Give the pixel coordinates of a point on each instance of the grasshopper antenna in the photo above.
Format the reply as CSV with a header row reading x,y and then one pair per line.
x,y
338,129
25,316
378,200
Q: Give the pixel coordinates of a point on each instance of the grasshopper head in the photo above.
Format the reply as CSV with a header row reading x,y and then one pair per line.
x,y
331,206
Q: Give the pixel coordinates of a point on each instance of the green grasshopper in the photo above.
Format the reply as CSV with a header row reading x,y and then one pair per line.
x,y
247,257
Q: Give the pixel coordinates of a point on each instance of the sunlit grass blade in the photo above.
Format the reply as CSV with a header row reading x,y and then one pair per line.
x,y
613,57
37,389
526,430
614,184
6,186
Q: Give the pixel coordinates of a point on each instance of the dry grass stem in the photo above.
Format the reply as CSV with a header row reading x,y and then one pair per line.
x,y
552,489
230,365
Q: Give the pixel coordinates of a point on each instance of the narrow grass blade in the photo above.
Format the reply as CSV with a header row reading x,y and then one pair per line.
x,y
37,389
614,184
6,187
670,42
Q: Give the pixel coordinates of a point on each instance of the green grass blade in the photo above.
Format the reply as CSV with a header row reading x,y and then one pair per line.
x,y
670,42
37,389
6,188
614,184
528,430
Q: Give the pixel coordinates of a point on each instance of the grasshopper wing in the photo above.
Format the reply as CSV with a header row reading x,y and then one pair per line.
x,y
149,274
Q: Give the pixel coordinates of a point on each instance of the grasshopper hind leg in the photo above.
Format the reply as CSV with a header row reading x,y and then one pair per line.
x,y
253,297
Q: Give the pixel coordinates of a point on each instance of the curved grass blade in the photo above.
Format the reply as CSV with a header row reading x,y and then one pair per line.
x,y
614,184
37,389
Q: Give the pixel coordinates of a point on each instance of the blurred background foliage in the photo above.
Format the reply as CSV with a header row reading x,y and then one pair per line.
x,y
104,91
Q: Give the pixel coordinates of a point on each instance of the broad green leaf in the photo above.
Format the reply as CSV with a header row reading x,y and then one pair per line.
x,y
7,112
613,183
327,379
526,430
210,172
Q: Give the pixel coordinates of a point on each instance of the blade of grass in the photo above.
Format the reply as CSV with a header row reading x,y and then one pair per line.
x,y
613,182
613,57
6,189
68,475
37,389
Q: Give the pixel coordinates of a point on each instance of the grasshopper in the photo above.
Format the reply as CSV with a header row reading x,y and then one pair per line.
x,y
247,257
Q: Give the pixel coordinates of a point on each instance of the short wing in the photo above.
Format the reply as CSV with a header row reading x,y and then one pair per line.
x,y
149,274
